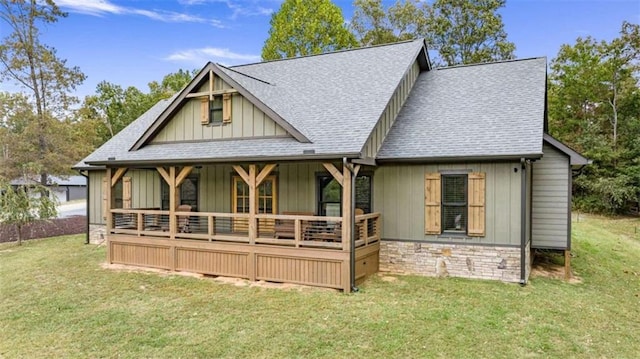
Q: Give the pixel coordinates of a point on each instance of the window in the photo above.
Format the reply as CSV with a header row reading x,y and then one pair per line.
x,y
215,110
266,196
267,202
120,194
455,203
117,195
188,193
330,195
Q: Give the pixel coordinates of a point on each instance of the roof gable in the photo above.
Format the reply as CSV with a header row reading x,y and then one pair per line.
x,y
332,102
493,110
206,74
575,158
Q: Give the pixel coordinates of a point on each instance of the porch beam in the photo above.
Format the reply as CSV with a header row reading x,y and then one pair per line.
x,y
266,171
214,92
184,172
164,174
335,173
368,161
116,177
252,204
242,173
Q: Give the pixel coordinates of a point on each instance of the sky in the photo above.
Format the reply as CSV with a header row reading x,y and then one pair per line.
x,y
134,42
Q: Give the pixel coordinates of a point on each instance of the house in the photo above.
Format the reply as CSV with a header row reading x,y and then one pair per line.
x,y
325,169
66,189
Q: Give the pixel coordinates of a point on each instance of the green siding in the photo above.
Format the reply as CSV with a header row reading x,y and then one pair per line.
x,y
145,188
95,197
297,186
399,197
247,121
215,188
145,191
550,204
390,113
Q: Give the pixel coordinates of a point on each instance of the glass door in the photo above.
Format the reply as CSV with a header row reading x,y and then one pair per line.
x,y
266,203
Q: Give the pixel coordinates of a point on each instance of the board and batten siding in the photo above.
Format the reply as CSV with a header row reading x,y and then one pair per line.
x,y
246,121
145,192
295,187
390,113
398,194
95,197
550,208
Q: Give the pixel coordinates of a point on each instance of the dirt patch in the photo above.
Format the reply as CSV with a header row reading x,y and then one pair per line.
x,y
44,229
238,282
550,264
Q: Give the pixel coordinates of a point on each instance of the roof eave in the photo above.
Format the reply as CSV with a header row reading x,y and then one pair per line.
x,y
575,158
251,159
457,159
87,168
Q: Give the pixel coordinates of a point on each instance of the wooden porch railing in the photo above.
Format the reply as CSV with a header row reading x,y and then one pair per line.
x,y
272,229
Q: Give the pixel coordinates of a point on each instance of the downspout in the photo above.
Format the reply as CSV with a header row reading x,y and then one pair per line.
x,y
523,218
352,242
87,240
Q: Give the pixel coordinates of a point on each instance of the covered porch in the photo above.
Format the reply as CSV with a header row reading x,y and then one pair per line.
x,y
329,249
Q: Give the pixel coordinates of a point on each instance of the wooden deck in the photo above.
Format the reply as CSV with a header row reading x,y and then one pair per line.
x,y
313,253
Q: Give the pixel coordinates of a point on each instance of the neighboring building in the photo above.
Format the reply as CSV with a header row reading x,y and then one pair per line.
x,y
64,189
324,169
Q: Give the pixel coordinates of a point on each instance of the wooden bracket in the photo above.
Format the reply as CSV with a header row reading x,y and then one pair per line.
x,y
334,172
116,177
264,173
163,172
242,173
183,174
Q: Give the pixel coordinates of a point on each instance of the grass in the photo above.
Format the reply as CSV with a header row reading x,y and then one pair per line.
x,y
57,301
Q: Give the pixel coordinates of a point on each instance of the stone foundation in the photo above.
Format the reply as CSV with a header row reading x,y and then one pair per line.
x,y
97,234
453,260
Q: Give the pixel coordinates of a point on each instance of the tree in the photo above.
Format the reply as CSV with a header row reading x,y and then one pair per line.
x,y
404,20
113,108
594,106
306,27
25,204
19,135
468,31
36,68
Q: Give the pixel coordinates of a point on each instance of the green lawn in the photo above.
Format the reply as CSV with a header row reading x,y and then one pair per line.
x,y
57,301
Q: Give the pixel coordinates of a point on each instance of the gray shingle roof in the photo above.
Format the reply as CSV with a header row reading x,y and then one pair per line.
x,y
334,99
488,110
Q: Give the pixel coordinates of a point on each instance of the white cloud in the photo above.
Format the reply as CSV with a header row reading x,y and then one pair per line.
x,y
90,7
103,7
237,7
214,54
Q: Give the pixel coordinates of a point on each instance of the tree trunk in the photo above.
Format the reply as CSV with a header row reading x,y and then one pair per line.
x,y
19,227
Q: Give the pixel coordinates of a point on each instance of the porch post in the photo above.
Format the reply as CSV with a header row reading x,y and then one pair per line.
x,y
346,208
253,230
107,210
346,226
173,225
